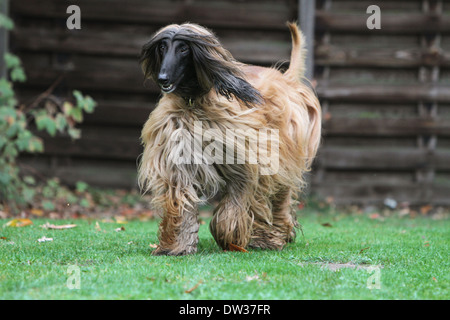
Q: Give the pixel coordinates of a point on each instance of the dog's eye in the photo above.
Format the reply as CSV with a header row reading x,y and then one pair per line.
x,y
162,47
184,49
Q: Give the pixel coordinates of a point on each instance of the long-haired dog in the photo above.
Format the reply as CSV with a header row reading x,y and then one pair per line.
x,y
205,90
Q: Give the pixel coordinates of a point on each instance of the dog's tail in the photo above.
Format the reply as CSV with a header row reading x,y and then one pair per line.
x,y
297,64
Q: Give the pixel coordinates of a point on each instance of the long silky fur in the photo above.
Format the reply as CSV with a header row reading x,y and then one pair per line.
x,y
256,209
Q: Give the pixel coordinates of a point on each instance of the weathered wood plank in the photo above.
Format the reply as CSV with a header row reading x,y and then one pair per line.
x,y
327,55
382,93
248,14
251,47
387,6
120,113
102,173
86,72
96,143
383,158
386,127
391,23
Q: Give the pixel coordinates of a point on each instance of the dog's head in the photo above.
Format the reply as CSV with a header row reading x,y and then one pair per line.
x,y
188,60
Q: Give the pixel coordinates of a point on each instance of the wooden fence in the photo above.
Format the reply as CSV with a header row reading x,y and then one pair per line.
x,y
386,101
385,93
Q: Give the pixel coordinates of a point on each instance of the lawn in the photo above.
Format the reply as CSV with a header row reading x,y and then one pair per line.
x,y
340,256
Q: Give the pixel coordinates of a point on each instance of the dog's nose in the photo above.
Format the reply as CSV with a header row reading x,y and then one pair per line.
x,y
163,79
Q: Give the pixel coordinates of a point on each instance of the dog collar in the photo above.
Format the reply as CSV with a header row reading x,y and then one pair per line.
x,y
189,101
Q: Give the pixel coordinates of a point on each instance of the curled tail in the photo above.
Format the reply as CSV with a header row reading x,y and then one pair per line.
x,y
298,54
296,72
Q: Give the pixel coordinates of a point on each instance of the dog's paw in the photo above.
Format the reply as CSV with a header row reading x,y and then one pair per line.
x,y
174,252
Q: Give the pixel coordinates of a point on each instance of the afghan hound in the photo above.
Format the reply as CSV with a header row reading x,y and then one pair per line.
x,y
245,131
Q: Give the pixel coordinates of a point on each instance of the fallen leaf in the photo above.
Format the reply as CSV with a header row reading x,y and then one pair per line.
x,y
363,249
329,200
146,215
251,278
121,220
256,276
19,223
426,244
233,247
3,238
326,224
434,279
97,227
45,239
375,215
127,211
122,228
153,245
60,227
425,209
37,212
194,287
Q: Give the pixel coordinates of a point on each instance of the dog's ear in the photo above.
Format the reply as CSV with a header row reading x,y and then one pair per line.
x,y
150,59
228,85
216,68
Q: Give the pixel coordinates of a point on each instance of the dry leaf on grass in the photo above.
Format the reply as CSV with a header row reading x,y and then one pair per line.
x,y
251,278
153,245
19,223
233,247
44,239
375,215
37,212
60,227
122,228
425,209
121,219
194,287
363,249
256,276
326,224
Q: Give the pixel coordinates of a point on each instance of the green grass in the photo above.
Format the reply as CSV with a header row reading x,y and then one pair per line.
x,y
412,254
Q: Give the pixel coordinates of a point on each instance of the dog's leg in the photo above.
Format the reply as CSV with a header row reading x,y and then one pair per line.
x,y
281,230
178,231
231,223
284,215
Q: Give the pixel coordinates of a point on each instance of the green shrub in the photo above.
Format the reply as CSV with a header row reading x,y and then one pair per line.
x,y
48,113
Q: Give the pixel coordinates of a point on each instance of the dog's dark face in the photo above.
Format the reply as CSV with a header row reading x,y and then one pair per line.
x,y
189,61
177,72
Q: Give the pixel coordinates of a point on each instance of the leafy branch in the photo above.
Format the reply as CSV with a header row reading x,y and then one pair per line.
x,y
46,113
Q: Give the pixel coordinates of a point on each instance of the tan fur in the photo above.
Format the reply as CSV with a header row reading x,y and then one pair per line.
x,y
256,210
